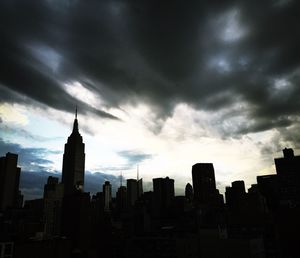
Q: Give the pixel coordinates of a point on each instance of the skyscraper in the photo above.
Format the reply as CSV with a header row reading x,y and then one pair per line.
x,y
73,161
288,171
9,181
235,195
163,191
189,192
204,183
53,196
132,192
107,195
121,199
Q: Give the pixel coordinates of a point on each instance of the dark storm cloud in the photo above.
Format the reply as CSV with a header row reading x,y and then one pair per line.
x,y
94,181
205,53
32,183
29,158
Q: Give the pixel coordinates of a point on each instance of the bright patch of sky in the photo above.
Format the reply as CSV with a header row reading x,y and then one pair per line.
x,y
228,26
281,84
78,91
13,114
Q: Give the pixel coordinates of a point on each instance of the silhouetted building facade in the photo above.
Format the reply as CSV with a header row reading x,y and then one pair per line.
x,y
34,219
235,195
163,195
76,219
107,196
288,171
121,199
53,196
132,192
255,201
9,181
189,193
73,162
269,188
204,183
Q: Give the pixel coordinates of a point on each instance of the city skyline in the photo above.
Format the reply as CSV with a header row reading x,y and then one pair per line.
x,y
73,169
70,222
97,178
161,85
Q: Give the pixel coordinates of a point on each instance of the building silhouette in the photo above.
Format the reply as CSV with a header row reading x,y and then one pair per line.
x,y
132,192
53,197
9,181
163,195
235,195
189,192
121,199
204,183
269,187
107,196
76,219
73,161
288,171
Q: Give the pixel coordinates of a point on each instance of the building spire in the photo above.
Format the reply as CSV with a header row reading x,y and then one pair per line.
x,y
75,125
137,172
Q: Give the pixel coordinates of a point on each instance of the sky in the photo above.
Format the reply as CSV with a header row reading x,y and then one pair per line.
x,y
159,84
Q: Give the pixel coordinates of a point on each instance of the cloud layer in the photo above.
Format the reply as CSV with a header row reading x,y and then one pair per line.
x,y
207,54
32,183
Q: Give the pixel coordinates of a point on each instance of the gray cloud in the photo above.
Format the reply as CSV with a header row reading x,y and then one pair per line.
x,y
134,157
28,158
207,54
32,183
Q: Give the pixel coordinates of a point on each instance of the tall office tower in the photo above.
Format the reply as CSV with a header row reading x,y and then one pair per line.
x,y
204,183
107,195
53,196
189,193
288,171
9,181
235,195
268,186
255,201
132,192
163,195
121,199
73,162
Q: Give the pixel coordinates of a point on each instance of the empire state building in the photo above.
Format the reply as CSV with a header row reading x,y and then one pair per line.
x,y
73,161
